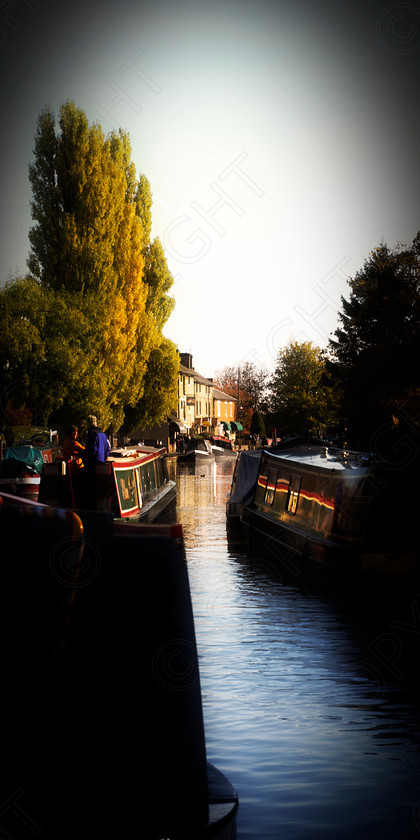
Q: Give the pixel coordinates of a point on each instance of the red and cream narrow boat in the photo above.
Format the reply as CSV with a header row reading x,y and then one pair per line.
x,y
132,484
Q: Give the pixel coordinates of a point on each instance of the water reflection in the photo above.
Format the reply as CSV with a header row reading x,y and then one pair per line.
x,y
309,696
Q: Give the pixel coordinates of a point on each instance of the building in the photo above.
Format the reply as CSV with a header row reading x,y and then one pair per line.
x,y
186,391
214,411
195,397
225,411
201,408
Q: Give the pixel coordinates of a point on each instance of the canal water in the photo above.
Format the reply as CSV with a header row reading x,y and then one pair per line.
x,y
310,697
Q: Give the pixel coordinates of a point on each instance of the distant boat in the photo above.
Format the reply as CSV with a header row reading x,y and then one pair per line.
x,y
132,484
323,510
222,447
202,452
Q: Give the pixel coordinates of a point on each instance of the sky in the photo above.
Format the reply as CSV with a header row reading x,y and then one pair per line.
x,y
280,140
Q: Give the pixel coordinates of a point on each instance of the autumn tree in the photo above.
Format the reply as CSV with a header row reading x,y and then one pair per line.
x,y
300,402
92,258
252,384
161,379
374,355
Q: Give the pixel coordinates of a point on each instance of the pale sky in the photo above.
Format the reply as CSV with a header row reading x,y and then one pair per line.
x,y
280,140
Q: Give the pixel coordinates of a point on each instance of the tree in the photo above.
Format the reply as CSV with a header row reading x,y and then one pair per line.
x,y
257,425
43,362
90,251
160,389
374,356
300,402
22,347
252,382
159,392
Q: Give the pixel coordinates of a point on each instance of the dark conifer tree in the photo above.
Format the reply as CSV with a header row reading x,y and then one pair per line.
x,y
374,355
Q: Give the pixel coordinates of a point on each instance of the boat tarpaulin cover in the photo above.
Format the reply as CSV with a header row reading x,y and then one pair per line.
x,y
247,472
31,456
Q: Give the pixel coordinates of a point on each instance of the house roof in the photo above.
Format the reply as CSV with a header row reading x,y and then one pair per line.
x,y
217,394
197,376
220,395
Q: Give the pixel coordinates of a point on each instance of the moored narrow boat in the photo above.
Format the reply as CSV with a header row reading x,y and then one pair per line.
x,y
21,467
101,679
202,452
323,511
222,447
132,484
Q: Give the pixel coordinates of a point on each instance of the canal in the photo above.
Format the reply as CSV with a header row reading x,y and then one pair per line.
x,y
310,697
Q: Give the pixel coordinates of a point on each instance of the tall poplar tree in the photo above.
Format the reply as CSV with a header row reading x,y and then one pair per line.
x,y
90,250
159,394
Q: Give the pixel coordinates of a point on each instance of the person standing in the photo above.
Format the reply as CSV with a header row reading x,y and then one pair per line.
x,y
72,449
97,444
96,451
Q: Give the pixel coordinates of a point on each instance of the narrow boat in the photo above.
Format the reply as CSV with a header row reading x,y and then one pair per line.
x,y
132,485
323,511
21,467
222,447
101,677
202,452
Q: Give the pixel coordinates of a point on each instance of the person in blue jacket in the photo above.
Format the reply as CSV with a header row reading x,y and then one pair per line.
x,y
96,450
97,445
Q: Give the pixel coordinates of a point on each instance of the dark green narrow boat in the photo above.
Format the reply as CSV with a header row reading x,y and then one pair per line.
x,y
326,511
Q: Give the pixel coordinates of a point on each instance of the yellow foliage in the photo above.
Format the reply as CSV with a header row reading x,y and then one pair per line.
x,y
89,243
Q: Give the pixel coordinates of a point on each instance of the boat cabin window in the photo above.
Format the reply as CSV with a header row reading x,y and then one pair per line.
x,y
270,490
147,478
160,472
262,479
293,497
127,489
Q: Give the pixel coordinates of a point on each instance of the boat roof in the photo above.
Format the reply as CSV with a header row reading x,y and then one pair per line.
x,y
319,455
130,453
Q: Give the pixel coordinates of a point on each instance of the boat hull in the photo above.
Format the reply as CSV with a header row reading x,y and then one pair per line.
x,y
25,487
160,508
296,553
97,626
